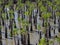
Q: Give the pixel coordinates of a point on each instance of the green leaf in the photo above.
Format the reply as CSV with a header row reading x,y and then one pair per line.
x,y
10,2
19,1
54,7
19,19
11,11
4,15
0,2
17,8
23,31
42,41
11,16
57,13
42,8
28,3
39,4
0,9
58,39
46,15
15,31
49,3
45,24
25,23
38,27
6,6
0,26
57,2
51,41
21,5
26,13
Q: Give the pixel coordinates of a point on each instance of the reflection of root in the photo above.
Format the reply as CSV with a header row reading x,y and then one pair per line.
x,y
9,42
12,42
6,42
58,35
31,35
